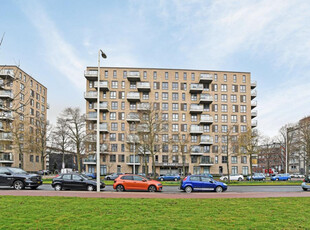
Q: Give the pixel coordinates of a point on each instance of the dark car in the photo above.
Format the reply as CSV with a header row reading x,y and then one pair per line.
x,y
112,176
75,181
198,182
169,177
18,178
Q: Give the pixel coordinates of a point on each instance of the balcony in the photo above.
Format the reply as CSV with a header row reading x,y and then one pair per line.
x,y
6,94
133,76
104,106
144,86
89,161
103,127
132,138
206,119
206,161
253,124
196,129
103,85
143,107
143,151
133,117
6,158
205,78
91,138
6,116
196,88
253,94
133,96
104,148
205,99
206,140
7,73
194,108
143,128
6,137
253,84
133,160
91,116
91,74
253,104
90,96
196,150
253,113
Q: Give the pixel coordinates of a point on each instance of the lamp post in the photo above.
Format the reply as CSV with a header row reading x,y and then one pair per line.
x,y
103,55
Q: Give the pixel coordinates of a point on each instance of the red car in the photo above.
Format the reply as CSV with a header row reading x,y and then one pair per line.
x,y
136,182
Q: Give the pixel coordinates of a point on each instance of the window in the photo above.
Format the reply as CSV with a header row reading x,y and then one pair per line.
x,y
175,117
113,95
243,160
242,98
114,84
224,159
243,108
233,118
183,116
165,116
144,74
243,118
22,87
193,117
235,108
194,138
224,108
242,88
37,158
114,73
215,87
132,106
224,128
194,97
175,96
224,88
22,97
124,74
165,85
193,76
112,136
234,160
175,128
224,118
175,85
243,78
133,85
31,158
145,95
114,126
164,106
165,96
154,75
114,105
176,76
235,78
234,170
121,158
215,77
175,106
224,97
243,128
166,76
234,88
233,98
165,158
113,158
225,77
245,170
184,76
112,116
106,73
156,85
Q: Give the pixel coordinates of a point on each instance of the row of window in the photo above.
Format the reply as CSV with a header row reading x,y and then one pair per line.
x,y
24,79
176,75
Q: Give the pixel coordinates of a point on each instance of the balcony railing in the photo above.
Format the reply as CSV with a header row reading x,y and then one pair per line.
x,y
103,127
90,95
206,119
205,160
91,116
104,85
194,108
102,106
205,78
253,84
6,137
253,94
253,104
7,73
196,150
144,106
6,116
196,88
133,96
253,123
6,158
196,129
91,138
133,117
206,98
6,94
206,140
254,113
133,76
132,138
143,86
133,159
91,74
143,128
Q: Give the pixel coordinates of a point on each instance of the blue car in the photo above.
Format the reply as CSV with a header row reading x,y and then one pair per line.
x,y
91,175
257,176
282,177
200,183
168,177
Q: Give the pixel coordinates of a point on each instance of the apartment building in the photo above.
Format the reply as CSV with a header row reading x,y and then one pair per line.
x,y
23,108
201,104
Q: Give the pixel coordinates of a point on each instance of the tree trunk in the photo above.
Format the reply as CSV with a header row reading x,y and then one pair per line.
x,y
251,166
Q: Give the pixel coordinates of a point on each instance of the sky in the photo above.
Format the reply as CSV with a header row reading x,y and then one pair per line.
x,y
54,41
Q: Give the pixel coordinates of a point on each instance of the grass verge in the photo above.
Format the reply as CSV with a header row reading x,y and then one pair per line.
x,y
90,213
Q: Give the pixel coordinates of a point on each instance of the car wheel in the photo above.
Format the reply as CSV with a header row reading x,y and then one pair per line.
x,y
108,178
219,189
162,179
152,188
239,179
34,188
188,189
225,179
305,189
57,187
90,188
120,188
18,185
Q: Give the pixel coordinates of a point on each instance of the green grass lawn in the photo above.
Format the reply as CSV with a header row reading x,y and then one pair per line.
x,y
96,213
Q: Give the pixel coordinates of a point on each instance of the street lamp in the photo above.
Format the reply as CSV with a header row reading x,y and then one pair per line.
x,y
103,55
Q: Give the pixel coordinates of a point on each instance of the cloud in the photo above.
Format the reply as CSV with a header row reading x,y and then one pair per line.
x,y
59,53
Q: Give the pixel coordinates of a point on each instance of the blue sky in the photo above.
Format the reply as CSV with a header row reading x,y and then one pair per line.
x,y
55,40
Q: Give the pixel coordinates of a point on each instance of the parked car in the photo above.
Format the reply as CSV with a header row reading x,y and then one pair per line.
x,y
199,182
18,178
75,181
112,176
91,175
306,184
237,177
257,176
206,174
136,182
43,172
169,177
282,177
296,175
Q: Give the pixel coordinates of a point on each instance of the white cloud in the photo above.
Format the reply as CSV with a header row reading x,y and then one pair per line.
x,y
59,53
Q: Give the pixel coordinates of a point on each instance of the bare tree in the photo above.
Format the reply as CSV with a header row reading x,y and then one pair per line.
x,y
75,122
304,141
182,142
248,145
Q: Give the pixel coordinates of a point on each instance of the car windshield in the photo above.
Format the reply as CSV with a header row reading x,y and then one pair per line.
x,y
84,177
17,171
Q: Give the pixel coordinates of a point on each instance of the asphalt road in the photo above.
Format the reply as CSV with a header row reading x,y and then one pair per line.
x,y
174,189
